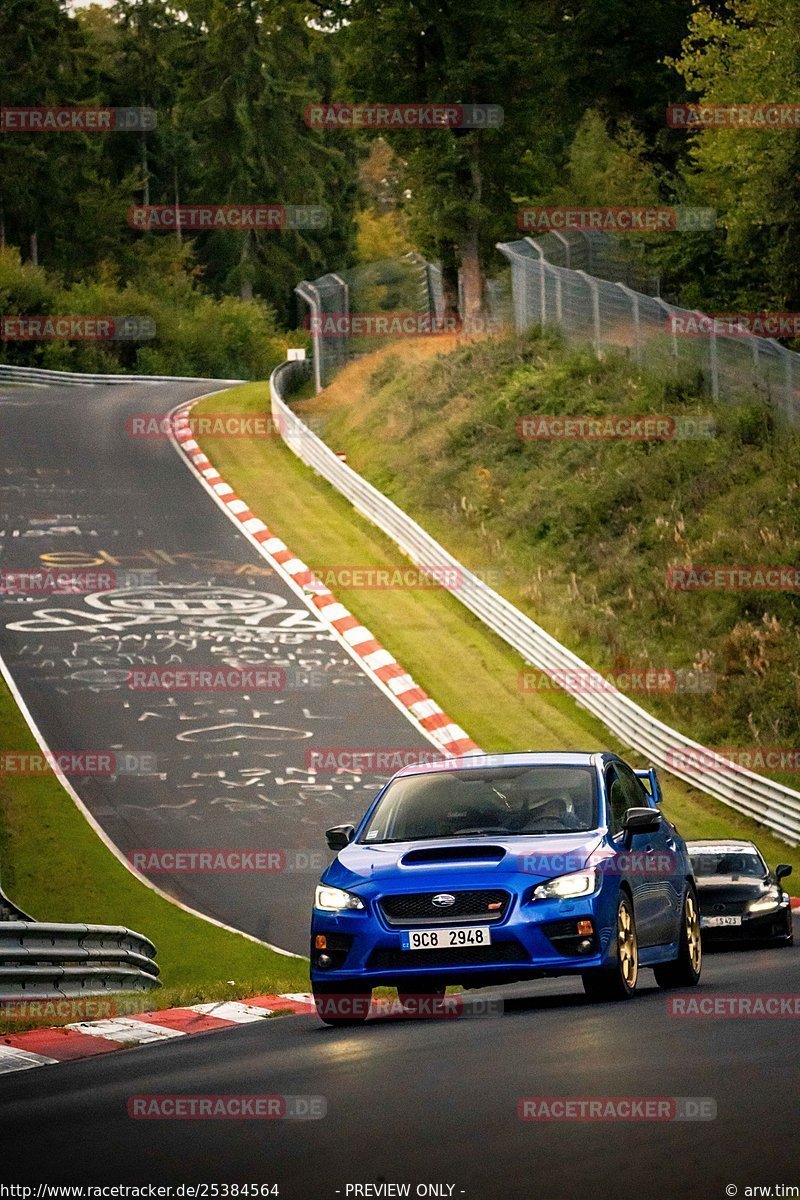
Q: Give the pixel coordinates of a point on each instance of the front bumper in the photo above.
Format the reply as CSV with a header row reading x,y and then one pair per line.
x,y
767,926
533,939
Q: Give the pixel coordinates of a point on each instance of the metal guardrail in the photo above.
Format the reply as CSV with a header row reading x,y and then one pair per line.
x,y
773,805
46,960
38,375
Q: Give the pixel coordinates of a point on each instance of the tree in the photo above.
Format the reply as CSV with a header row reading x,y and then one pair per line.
x,y
745,53
475,52
545,62
41,63
251,144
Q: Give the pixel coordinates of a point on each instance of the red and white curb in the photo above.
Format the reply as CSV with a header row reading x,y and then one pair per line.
x,y
83,1039
379,664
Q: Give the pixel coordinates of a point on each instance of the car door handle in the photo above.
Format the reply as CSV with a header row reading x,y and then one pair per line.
x,y
671,844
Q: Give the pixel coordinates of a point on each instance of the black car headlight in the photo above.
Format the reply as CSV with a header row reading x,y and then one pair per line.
x,y
769,902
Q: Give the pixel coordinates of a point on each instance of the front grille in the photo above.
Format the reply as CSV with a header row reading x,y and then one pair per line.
x,y
496,953
417,908
718,908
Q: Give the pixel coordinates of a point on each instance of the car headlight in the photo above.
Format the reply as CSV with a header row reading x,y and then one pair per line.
x,y
567,887
767,903
331,899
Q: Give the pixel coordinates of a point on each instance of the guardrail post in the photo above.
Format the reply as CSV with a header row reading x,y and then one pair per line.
x,y
756,367
787,384
589,248
542,282
566,245
559,298
713,356
314,303
634,299
344,352
670,312
595,290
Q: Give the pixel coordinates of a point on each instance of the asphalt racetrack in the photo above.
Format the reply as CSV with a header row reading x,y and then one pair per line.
x,y
222,771
420,1104
436,1102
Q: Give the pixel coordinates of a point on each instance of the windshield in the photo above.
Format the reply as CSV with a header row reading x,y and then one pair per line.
x,y
739,861
485,802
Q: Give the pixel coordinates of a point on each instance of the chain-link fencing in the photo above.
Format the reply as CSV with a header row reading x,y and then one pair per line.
x,y
349,310
582,283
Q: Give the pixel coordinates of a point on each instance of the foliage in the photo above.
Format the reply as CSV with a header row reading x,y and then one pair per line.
x,y
195,334
749,52
582,532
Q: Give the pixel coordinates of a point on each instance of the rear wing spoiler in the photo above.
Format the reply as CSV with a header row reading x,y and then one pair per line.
x,y
651,782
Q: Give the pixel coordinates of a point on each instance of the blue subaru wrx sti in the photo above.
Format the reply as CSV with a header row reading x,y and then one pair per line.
x,y
495,868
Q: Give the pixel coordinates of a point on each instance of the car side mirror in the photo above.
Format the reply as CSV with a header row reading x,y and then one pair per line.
x,y
641,820
340,836
782,870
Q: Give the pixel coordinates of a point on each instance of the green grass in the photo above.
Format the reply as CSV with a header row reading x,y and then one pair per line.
x,y
55,867
468,670
582,533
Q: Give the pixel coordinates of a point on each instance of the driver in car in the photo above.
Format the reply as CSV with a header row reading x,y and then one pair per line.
x,y
555,814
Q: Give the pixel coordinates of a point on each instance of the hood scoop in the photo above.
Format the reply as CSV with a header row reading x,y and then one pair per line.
x,y
453,854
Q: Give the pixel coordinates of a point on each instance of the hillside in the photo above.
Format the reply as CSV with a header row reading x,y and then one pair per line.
x,y
581,533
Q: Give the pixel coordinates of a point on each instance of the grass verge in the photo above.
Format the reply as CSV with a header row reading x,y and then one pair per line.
x,y
582,532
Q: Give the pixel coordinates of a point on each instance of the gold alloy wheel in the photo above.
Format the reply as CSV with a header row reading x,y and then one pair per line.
x,y
628,948
693,934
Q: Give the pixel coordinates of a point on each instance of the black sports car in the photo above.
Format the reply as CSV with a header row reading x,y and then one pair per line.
x,y
740,898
